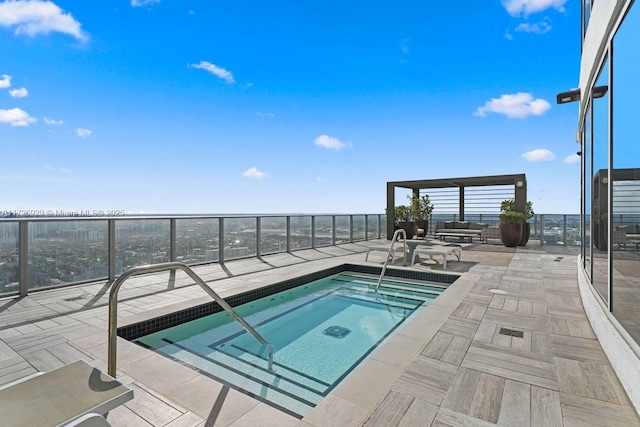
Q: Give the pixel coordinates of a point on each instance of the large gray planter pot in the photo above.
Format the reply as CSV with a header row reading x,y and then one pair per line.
x,y
526,231
409,228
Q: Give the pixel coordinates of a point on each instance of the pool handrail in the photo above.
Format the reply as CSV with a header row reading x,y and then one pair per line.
x,y
404,256
165,266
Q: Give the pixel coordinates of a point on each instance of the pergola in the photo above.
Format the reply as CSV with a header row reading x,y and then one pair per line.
x,y
519,182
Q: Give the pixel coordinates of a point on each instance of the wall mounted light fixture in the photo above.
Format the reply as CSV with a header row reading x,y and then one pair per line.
x,y
570,96
599,91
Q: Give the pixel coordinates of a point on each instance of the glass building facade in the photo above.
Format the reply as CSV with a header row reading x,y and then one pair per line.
x,y
609,125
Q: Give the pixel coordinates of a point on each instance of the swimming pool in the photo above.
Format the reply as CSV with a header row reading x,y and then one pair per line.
x,y
320,332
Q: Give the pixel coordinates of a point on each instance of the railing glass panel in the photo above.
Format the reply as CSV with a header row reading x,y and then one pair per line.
x,y
197,240
63,252
358,228
300,232
324,230
240,237
273,234
383,226
342,229
372,227
140,242
9,258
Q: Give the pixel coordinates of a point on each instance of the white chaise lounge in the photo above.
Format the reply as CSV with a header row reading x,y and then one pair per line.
x,y
441,250
77,394
391,255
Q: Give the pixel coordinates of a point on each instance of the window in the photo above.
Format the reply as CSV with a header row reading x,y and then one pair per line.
x,y
626,175
600,187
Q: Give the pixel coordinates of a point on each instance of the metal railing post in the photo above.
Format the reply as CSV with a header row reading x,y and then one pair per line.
x,y
541,230
173,244
258,236
333,230
111,250
313,231
564,232
221,243
288,234
23,251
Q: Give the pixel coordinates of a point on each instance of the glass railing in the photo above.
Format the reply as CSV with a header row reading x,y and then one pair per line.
x,y
43,253
549,229
39,253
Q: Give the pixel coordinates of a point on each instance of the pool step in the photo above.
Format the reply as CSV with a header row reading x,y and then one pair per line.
x,y
261,361
400,292
275,387
411,289
389,299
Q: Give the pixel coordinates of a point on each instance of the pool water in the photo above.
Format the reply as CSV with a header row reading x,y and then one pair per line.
x,y
320,332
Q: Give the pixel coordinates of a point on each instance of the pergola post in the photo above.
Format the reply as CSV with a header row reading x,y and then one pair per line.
x,y
520,195
391,203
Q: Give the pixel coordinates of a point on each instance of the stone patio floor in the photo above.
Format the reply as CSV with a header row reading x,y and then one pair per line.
x,y
450,366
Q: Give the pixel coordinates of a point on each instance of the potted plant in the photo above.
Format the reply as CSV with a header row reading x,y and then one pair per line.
x,y
420,208
509,206
402,216
511,224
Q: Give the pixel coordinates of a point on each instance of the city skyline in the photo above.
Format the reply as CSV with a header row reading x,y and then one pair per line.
x,y
156,107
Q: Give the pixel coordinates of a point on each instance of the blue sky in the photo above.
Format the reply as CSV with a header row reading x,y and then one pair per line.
x,y
195,106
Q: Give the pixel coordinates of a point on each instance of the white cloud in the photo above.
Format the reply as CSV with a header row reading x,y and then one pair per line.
x,y
574,158
16,117
141,3
507,35
38,17
254,173
84,133
52,122
327,141
404,46
539,155
265,114
60,169
19,93
537,28
518,105
215,70
527,7
5,82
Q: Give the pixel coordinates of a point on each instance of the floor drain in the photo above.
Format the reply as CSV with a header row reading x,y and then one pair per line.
x,y
498,291
74,298
337,331
511,332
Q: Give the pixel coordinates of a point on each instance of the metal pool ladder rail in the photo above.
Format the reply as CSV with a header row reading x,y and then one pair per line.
x,y
404,256
154,268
